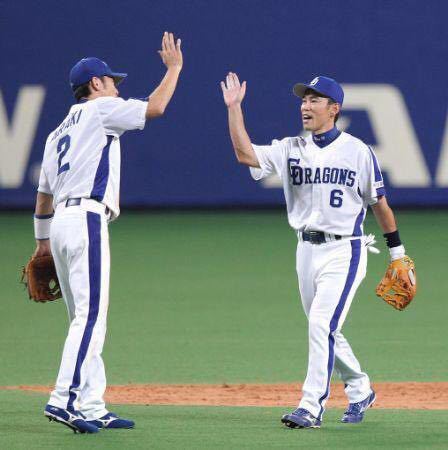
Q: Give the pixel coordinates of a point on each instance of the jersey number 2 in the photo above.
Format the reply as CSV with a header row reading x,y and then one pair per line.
x,y
336,198
63,146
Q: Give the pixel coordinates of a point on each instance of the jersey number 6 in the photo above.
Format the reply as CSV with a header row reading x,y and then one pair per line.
x,y
63,146
336,198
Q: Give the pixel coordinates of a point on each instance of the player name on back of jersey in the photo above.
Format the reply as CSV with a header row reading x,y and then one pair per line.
x,y
327,175
71,120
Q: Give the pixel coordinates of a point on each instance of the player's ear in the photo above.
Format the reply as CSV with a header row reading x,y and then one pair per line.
x,y
96,84
335,109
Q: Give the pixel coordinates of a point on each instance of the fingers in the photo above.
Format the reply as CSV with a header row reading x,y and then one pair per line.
x,y
171,41
169,44
236,81
229,81
223,86
243,89
164,42
168,41
232,81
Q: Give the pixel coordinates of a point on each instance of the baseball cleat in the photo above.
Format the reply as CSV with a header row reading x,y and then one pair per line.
x,y
301,418
72,419
355,411
111,420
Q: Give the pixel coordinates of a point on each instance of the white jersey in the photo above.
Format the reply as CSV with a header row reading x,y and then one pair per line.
x,y
326,189
82,155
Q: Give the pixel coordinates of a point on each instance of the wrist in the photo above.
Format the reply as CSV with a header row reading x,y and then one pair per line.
x,y
392,239
42,224
174,69
397,252
234,106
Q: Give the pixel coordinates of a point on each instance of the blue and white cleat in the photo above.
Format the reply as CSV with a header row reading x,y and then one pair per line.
x,y
301,418
355,411
72,419
111,420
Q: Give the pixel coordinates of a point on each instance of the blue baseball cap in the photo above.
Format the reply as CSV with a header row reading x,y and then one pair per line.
x,y
84,70
322,85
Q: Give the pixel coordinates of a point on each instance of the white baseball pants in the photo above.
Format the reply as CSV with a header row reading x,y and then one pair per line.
x,y
329,275
80,245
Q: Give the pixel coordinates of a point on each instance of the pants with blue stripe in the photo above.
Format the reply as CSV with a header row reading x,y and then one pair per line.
x,y
80,247
329,275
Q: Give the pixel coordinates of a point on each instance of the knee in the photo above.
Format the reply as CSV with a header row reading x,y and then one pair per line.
x,y
318,325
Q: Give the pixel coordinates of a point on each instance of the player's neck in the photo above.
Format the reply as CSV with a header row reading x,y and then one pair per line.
x,y
95,95
325,138
327,126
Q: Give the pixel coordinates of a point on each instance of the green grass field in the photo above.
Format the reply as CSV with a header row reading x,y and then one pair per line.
x,y
212,298
168,427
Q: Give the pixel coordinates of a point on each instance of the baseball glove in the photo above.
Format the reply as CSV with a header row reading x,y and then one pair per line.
x,y
41,280
399,284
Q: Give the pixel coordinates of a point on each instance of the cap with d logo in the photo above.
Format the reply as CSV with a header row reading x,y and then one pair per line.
x,y
322,85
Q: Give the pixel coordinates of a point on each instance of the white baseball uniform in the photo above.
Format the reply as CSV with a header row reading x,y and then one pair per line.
x,y
328,187
81,169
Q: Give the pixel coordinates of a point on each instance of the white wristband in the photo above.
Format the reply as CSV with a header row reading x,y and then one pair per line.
x,y
42,223
397,252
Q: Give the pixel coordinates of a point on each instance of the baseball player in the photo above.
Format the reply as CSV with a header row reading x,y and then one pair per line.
x,y
78,195
329,179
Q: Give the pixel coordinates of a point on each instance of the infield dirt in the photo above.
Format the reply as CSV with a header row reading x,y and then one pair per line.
x,y
409,395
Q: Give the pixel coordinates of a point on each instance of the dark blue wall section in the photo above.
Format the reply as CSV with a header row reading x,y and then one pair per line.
x,y
391,56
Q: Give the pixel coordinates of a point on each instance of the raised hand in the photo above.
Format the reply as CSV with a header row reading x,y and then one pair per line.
x,y
171,53
232,91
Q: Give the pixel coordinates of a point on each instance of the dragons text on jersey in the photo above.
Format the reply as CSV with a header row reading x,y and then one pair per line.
x,y
326,188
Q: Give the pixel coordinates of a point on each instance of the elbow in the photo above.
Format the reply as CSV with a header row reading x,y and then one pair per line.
x,y
381,204
239,156
243,159
245,155
160,111
155,111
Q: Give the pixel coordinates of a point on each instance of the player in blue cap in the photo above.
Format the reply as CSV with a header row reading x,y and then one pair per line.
x,y
329,179
80,182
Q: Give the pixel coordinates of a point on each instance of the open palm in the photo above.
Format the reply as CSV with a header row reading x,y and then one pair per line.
x,y
232,91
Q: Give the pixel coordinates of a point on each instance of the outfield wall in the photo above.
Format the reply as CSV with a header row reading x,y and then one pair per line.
x,y
390,56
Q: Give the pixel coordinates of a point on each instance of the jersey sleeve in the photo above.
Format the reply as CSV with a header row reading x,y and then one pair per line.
x,y
44,185
119,115
371,180
271,159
